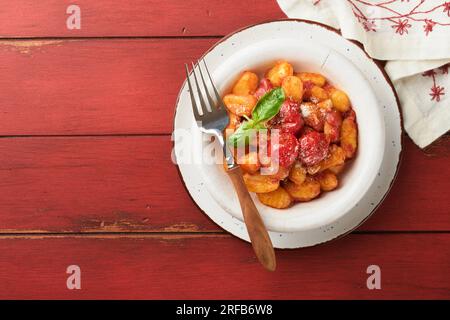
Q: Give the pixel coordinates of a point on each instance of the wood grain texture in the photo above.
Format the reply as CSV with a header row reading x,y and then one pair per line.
x,y
222,267
92,86
116,205
100,18
257,231
129,184
440,147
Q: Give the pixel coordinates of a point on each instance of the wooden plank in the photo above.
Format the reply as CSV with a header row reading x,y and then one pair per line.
x,y
191,267
92,87
420,194
92,184
440,147
56,87
99,18
117,184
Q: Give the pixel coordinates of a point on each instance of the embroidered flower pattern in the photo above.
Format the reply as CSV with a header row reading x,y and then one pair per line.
x,y
428,27
436,93
401,21
447,8
436,90
414,17
370,25
401,26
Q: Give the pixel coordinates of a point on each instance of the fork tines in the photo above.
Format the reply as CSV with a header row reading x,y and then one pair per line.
x,y
206,105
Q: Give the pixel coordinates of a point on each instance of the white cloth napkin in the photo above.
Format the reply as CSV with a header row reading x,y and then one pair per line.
x,y
413,35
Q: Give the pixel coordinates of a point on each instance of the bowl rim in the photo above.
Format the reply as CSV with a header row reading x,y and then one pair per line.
x,y
258,49
378,64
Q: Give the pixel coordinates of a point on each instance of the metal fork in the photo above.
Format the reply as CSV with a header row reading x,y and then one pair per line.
x,y
212,118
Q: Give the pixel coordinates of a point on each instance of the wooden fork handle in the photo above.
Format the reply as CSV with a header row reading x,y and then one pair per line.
x,y
262,245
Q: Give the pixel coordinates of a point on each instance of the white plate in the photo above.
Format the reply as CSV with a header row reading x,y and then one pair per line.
x,y
205,185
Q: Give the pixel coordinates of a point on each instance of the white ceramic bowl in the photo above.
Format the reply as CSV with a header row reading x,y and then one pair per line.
x,y
305,55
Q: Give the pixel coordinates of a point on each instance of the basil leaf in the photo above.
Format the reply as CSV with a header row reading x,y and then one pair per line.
x,y
244,132
269,105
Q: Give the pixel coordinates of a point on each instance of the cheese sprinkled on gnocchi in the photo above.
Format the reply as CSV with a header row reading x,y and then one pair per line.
x,y
296,131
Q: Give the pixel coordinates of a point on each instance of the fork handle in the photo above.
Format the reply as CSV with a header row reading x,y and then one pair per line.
x,y
262,245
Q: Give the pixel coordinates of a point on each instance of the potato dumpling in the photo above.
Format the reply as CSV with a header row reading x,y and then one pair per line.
x,y
336,158
306,191
233,123
297,173
240,105
260,183
276,172
246,84
337,169
278,199
340,100
331,132
313,115
293,88
281,70
249,162
315,78
326,105
328,180
349,137
325,112
318,94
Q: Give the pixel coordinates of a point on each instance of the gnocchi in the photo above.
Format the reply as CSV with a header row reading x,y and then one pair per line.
x,y
337,169
278,198
336,158
340,100
249,162
318,94
281,70
277,172
240,105
246,84
349,137
233,123
306,191
312,133
297,173
328,181
260,183
314,78
293,88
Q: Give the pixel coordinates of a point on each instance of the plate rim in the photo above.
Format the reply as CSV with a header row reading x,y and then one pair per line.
x,y
379,66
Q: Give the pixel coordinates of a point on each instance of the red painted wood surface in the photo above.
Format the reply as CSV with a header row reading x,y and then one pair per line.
x,y
73,184
114,204
99,18
92,86
217,266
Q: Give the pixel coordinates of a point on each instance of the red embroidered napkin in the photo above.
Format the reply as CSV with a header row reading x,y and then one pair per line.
x,y
413,35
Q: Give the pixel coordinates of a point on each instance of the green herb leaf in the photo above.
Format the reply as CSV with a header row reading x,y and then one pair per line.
x,y
244,132
269,105
266,108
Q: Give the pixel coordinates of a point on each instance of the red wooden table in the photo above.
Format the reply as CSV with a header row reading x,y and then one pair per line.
x,y
86,176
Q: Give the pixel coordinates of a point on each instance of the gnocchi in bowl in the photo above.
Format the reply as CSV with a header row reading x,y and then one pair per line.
x,y
293,133
307,48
